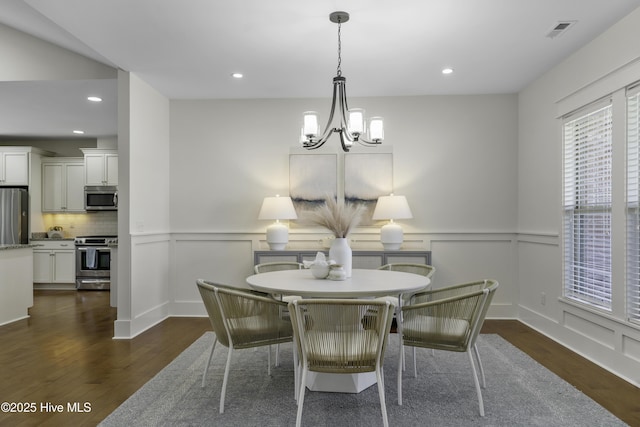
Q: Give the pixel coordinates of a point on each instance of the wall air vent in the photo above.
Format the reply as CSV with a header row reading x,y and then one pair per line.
x,y
560,28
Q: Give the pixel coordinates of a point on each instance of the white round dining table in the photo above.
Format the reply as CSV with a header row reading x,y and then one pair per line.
x,y
361,284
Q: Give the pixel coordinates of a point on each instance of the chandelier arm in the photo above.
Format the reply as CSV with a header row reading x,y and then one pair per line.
x,y
366,142
345,146
344,109
360,138
328,130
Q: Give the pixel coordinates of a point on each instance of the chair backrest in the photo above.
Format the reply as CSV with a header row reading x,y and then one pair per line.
x,y
241,318
408,267
342,335
489,289
208,294
449,318
266,267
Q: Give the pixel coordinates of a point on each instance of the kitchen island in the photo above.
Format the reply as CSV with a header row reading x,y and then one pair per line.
x,y
16,282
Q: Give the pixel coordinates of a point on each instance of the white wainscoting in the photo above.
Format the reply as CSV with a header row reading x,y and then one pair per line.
x,y
609,342
149,285
221,258
164,268
228,258
460,258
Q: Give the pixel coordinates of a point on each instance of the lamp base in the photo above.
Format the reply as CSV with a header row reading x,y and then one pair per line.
x,y
277,236
391,236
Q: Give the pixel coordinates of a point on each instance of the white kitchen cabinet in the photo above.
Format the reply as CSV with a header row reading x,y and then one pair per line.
x,y
101,167
54,262
14,168
63,185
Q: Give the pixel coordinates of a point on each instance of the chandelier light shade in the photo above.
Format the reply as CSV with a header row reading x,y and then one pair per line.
x,y
351,123
392,207
277,208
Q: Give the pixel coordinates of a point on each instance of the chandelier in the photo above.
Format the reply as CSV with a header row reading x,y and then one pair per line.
x,y
351,126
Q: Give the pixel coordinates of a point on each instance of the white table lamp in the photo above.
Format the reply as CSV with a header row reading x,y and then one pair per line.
x,y
392,207
277,208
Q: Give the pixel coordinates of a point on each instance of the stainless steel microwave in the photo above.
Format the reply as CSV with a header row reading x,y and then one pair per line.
x,y
100,198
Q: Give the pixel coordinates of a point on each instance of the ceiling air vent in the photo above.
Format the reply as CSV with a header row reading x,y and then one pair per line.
x,y
560,28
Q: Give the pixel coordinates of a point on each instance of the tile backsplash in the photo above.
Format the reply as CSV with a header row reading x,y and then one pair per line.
x,y
84,224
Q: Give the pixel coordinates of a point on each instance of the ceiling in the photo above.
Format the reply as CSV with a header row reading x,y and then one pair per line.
x,y
288,48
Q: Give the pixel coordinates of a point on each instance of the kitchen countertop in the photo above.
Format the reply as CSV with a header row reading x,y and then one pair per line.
x,y
47,239
17,246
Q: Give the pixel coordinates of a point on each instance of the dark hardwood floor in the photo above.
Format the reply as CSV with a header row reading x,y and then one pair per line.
x,y
64,354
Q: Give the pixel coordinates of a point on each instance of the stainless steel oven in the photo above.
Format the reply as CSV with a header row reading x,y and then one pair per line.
x,y
93,262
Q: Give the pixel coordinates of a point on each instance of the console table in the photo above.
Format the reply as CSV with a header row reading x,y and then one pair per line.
x,y
365,259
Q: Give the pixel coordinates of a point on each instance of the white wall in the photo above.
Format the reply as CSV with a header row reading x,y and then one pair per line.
x,y
455,159
607,64
25,57
143,214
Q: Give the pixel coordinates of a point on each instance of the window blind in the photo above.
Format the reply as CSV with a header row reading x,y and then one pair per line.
x,y
587,206
633,205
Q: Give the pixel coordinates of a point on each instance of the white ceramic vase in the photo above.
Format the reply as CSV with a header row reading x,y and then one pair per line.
x,y
341,253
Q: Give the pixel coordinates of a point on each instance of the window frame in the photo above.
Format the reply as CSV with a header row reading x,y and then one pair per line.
x,y
587,136
632,204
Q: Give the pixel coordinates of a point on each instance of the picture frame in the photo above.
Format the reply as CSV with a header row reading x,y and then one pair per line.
x,y
312,178
367,176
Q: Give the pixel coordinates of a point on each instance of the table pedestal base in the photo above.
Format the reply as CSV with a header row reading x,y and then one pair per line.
x,y
340,383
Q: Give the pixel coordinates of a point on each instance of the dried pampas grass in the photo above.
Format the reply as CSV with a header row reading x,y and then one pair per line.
x,y
337,217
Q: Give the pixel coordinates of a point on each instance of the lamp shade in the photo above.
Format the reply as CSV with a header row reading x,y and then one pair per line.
x,y
392,207
277,208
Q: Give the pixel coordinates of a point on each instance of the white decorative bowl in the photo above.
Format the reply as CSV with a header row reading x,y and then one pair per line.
x,y
320,271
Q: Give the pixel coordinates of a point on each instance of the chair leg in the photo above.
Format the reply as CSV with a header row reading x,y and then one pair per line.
x,y
475,350
400,374
383,406
225,380
301,397
277,354
296,374
269,361
206,367
477,383
415,364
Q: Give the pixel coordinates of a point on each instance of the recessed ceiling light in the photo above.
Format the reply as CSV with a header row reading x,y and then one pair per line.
x,y
94,98
237,75
78,132
447,70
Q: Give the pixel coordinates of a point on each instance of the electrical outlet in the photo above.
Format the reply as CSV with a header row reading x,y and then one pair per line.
x,y
543,298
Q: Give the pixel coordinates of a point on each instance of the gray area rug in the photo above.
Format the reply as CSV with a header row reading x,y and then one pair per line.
x,y
520,392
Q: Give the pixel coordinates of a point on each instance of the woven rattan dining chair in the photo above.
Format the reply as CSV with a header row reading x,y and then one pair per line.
x,y
448,319
242,319
409,267
341,336
415,268
266,267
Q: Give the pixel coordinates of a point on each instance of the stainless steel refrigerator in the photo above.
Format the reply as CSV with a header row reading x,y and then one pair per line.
x,y
14,216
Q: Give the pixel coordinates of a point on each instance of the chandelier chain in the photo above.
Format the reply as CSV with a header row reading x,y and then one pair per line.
x,y
339,70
